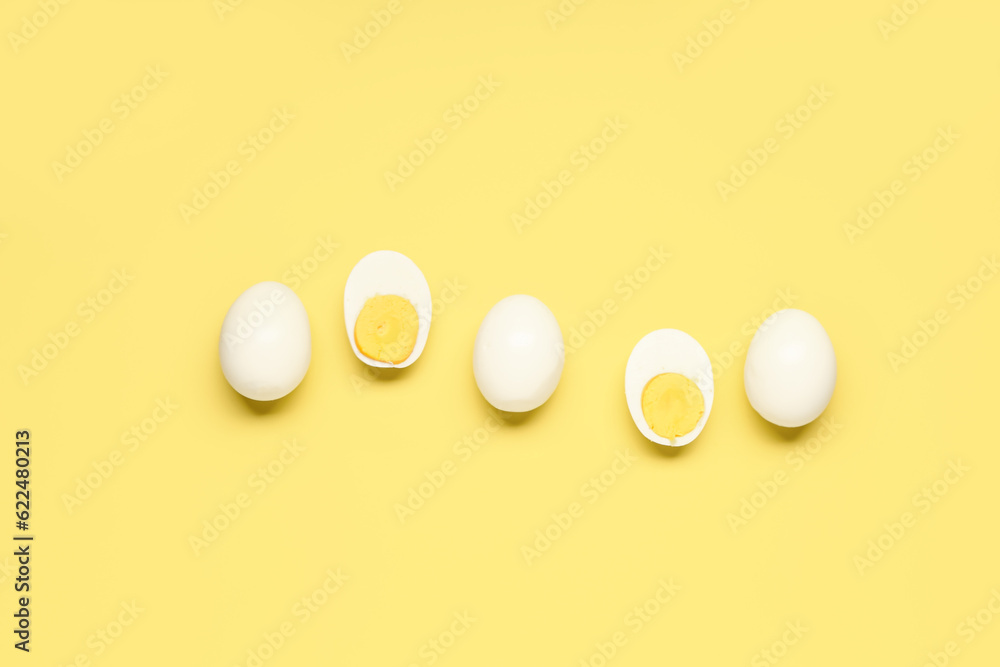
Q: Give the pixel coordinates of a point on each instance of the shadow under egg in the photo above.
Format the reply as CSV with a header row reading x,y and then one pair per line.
x,y
380,373
773,433
274,407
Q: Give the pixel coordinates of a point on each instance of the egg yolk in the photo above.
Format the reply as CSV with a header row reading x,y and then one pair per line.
x,y
386,328
672,405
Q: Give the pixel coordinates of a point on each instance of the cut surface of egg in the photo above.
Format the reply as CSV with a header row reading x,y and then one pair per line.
x,y
790,370
669,387
518,355
387,310
265,344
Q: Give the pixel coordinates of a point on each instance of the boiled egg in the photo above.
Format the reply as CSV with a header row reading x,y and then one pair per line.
x,y
790,369
518,355
265,345
387,310
669,387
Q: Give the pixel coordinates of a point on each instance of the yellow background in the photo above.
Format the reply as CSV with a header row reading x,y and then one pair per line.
x,y
369,439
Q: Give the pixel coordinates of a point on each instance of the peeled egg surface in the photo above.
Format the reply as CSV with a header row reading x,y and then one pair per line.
x,y
265,345
669,387
387,310
791,369
518,354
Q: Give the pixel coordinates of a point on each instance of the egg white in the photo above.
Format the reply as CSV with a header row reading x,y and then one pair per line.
x,y
791,369
667,351
519,354
388,272
265,344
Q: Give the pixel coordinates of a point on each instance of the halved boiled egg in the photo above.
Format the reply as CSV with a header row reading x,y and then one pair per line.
x,y
387,310
669,387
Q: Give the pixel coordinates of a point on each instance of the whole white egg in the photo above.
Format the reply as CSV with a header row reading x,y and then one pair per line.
x,y
669,387
265,345
790,369
518,355
387,310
